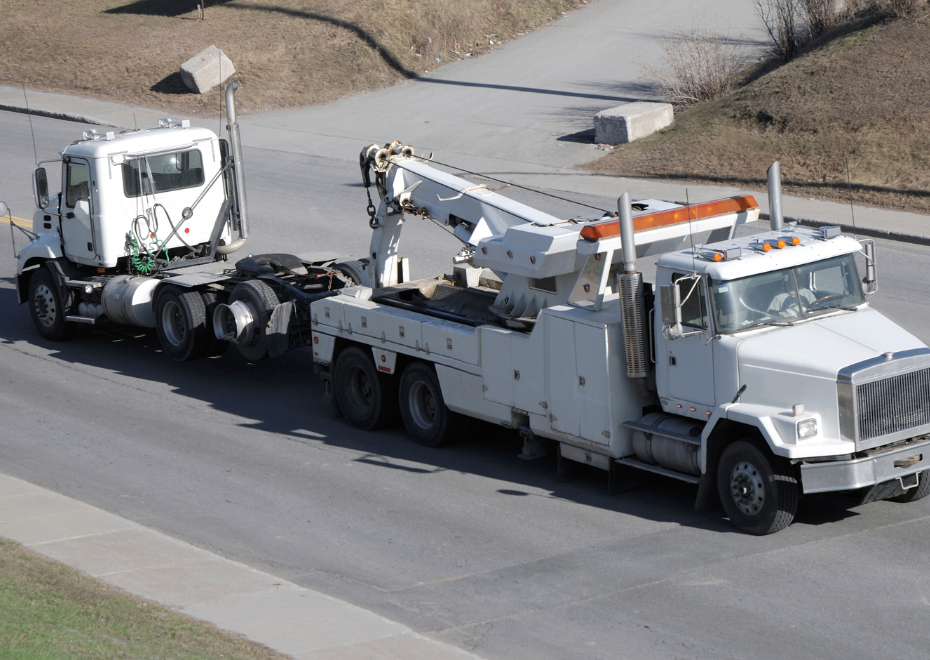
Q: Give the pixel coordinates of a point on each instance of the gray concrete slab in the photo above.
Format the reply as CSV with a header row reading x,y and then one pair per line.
x,y
124,550
183,585
294,620
70,524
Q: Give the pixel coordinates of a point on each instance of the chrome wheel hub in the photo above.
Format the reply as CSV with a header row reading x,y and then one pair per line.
x,y
422,405
45,307
747,488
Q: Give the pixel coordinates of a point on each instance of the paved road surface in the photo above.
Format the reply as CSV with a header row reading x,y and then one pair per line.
x,y
465,544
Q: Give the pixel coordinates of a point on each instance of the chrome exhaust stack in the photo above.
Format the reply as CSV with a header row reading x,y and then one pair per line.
x,y
630,288
774,188
235,146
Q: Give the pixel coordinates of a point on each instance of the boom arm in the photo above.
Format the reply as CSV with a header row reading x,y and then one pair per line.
x,y
407,184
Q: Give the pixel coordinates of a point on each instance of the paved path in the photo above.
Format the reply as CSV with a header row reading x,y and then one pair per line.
x,y
290,619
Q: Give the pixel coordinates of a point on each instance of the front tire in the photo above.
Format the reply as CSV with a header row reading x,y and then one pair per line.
x,y
181,323
426,417
47,308
918,492
366,398
759,492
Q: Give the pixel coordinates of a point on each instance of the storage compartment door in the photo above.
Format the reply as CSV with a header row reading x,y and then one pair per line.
x,y
562,376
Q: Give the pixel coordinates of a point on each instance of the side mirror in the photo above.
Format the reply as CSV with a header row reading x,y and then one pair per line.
x,y
670,298
871,278
40,187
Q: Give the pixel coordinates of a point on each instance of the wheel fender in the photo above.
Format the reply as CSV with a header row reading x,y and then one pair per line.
x,y
42,249
323,348
728,423
385,361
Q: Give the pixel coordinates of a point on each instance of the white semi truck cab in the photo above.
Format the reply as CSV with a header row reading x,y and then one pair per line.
x,y
753,367
140,235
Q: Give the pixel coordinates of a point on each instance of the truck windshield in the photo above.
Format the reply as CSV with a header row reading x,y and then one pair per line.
x,y
183,169
785,295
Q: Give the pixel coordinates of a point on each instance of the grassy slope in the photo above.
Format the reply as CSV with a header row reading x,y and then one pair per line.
x,y
50,611
864,95
287,52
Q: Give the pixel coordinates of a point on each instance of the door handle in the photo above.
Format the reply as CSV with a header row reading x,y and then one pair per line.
x,y
69,215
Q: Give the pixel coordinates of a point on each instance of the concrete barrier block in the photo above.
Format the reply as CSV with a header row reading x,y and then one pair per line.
x,y
631,121
207,69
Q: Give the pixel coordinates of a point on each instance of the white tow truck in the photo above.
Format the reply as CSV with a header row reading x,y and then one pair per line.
x,y
758,371
139,235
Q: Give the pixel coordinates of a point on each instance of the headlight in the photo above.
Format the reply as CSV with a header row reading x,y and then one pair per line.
x,y
807,428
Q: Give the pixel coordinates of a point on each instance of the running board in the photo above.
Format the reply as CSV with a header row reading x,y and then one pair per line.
x,y
648,467
681,437
81,319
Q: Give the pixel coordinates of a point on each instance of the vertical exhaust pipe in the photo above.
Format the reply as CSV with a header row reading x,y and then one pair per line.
x,y
774,188
236,146
630,288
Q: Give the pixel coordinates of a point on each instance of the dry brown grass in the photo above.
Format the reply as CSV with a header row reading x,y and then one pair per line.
x,y
698,65
286,52
864,95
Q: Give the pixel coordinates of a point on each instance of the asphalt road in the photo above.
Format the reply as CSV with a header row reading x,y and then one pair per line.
x,y
466,544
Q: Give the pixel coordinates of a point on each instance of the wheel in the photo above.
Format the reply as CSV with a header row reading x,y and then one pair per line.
x,y
426,417
181,323
261,301
918,492
759,493
210,301
352,270
47,308
366,398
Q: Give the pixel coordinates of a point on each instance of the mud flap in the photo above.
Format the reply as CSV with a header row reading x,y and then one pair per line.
x,y
276,334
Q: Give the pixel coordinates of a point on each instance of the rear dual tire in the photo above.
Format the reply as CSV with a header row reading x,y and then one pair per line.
x,y
181,324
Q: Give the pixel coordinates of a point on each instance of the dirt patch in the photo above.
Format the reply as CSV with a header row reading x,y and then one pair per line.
x,y
286,52
863,96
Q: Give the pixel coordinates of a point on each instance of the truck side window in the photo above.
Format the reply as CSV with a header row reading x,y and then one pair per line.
x,y
77,186
694,311
183,169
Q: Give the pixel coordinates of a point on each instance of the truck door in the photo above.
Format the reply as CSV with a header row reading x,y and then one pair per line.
x,y
686,364
76,230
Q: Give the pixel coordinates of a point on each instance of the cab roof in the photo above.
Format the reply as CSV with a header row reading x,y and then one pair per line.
x,y
102,144
752,259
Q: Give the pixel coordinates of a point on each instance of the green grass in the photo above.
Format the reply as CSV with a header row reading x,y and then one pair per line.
x,y
48,610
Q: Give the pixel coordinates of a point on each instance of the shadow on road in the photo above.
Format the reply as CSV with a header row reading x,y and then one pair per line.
x,y
282,397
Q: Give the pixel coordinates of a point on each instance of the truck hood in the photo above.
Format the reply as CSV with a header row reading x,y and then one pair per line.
x,y
821,347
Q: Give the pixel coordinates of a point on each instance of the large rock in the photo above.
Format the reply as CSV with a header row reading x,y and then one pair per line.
x,y
207,69
631,121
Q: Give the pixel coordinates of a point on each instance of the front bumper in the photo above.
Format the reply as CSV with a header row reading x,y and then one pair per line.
x,y
878,467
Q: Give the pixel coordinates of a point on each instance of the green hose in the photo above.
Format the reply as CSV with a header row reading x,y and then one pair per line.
x,y
144,262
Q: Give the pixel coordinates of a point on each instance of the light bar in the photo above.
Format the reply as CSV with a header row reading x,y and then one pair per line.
x,y
598,230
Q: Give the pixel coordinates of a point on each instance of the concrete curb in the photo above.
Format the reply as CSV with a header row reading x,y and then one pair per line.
x,y
285,617
64,116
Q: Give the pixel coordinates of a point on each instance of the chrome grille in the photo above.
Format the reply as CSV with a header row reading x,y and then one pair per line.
x,y
894,404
